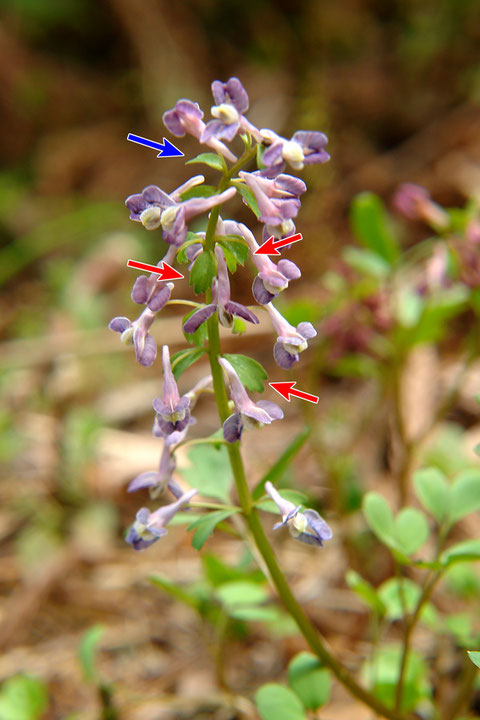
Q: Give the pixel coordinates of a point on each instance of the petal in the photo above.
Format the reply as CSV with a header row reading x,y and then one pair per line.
x,y
310,139
273,154
308,539
254,411
159,297
198,318
136,204
260,293
119,324
212,129
196,206
232,428
140,290
238,94
318,524
146,355
144,480
175,488
289,269
187,108
307,330
316,158
155,196
274,410
228,132
283,358
218,92
170,389
290,184
173,123
239,310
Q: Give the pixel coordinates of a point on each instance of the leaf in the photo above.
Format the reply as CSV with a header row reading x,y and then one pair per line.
x,y
241,592
379,517
205,526
199,191
217,573
474,656
237,247
202,273
175,591
254,613
211,159
183,359
460,626
410,530
193,240
276,702
249,198
365,262
465,494
432,491
380,673
365,591
309,680
371,226
399,597
23,698
280,465
466,551
250,372
209,471
87,652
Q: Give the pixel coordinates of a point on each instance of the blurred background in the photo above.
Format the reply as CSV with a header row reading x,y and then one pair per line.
x,y
394,84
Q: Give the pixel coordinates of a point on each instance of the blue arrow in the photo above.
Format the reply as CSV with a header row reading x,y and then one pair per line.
x,y
166,148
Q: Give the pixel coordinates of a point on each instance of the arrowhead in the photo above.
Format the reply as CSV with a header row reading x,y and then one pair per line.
x,y
268,248
169,150
167,272
283,388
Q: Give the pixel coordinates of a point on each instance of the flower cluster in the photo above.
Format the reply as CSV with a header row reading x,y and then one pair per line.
x,y
275,197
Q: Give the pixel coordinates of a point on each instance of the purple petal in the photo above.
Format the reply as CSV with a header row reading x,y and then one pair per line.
x,y
218,92
232,428
136,204
238,94
140,290
196,206
228,132
272,154
198,318
260,293
146,355
309,539
318,524
274,410
273,278
188,108
253,410
144,480
283,358
159,297
155,196
290,184
310,139
120,324
291,340
212,129
289,269
175,488
316,158
240,310
173,123
307,330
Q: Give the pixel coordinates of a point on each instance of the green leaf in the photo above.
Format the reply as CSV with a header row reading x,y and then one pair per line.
x,y
87,652
192,240
365,591
432,491
218,573
466,551
379,517
211,159
205,526
280,465
380,673
241,592
199,191
202,273
209,471
254,613
371,226
399,597
183,359
23,698
175,591
250,372
460,626
365,262
410,530
249,198
237,247
276,702
465,494
309,680
474,656
239,326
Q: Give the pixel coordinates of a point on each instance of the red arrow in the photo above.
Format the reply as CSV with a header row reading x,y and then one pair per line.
x,y
164,270
286,389
270,247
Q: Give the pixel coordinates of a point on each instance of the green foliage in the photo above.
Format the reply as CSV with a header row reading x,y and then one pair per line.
x,y
474,656
23,698
187,597
465,494
466,551
202,273
213,160
460,626
432,491
192,239
87,652
366,262
381,675
235,249
209,471
309,680
250,372
248,197
244,600
405,534
183,359
276,702
400,598
365,592
371,227
205,526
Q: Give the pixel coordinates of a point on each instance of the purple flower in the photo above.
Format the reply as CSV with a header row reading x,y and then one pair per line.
x,y
158,481
290,341
221,304
248,414
271,279
304,148
415,202
154,208
137,333
149,527
231,102
173,414
151,292
186,117
307,526
278,200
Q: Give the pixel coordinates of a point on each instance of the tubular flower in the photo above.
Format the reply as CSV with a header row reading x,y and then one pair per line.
x,y
149,527
248,414
271,279
222,304
151,292
415,202
307,526
172,411
186,117
158,481
137,333
154,208
304,148
231,102
278,200
290,341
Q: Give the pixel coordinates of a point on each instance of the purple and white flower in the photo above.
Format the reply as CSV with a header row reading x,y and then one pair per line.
x,y
304,148
227,309
278,200
136,333
154,208
186,117
147,290
290,341
149,527
172,411
157,481
307,526
231,102
247,413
